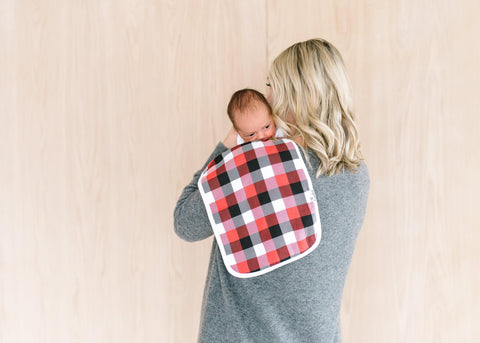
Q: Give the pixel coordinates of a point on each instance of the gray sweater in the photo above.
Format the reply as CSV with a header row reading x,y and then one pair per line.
x,y
298,302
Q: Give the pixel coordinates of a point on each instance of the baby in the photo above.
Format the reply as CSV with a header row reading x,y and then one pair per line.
x,y
251,116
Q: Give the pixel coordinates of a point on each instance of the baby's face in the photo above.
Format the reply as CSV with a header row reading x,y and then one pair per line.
x,y
255,124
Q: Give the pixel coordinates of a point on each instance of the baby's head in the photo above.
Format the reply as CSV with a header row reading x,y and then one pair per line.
x,y
251,115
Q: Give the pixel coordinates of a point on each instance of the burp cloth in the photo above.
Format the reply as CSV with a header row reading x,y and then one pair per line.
x,y
261,205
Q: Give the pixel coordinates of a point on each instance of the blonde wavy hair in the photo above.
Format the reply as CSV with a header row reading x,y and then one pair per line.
x,y
310,85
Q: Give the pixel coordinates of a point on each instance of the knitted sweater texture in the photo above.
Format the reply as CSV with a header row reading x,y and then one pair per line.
x,y
298,302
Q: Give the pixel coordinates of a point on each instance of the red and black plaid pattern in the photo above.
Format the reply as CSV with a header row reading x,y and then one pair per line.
x,y
261,205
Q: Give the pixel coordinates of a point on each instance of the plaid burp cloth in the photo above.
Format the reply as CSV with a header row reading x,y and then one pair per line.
x,y
261,205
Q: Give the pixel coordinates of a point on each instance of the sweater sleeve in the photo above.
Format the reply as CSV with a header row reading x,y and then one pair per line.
x,y
191,221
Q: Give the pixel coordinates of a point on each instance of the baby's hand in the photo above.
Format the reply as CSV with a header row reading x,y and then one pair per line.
x,y
231,139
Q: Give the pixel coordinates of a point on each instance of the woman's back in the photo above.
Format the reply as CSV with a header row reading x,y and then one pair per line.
x,y
299,302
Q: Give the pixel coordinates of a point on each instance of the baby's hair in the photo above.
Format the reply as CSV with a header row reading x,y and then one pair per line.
x,y
245,99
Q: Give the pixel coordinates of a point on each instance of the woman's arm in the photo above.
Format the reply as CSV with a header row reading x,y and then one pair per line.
x,y
190,216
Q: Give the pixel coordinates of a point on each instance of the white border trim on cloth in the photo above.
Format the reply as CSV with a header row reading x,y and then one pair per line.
x,y
317,225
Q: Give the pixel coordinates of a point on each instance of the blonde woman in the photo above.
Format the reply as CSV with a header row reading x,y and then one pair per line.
x,y
299,302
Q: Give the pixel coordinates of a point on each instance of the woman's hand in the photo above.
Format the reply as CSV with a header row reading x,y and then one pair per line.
x,y
231,139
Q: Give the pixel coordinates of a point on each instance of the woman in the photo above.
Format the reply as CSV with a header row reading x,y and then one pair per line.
x,y
298,302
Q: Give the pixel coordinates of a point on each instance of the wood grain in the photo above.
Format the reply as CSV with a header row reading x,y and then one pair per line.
x,y
108,108
413,276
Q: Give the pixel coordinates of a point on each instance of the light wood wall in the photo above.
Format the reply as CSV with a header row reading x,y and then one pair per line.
x,y
107,108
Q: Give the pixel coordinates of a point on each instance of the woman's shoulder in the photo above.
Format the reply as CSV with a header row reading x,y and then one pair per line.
x,y
359,174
